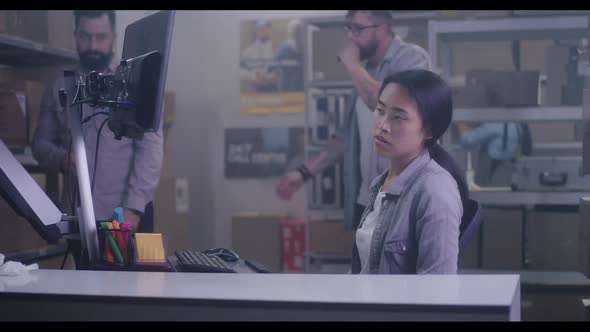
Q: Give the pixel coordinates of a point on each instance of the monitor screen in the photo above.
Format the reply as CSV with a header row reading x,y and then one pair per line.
x,y
27,199
151,33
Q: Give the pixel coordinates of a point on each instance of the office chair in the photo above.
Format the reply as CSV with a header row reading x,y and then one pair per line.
x,y
472,219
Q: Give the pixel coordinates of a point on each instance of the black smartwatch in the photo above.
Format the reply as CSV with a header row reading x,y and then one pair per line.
x,y
305,173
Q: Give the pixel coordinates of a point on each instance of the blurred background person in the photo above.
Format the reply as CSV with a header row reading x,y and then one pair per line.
x,y
257,58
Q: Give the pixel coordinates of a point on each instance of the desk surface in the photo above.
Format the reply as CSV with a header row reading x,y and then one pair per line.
x,y
94,295
376,289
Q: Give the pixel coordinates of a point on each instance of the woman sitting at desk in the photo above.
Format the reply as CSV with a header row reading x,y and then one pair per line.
x,y
412,224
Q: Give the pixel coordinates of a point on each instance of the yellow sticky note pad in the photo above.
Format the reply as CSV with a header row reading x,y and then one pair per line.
x,y
150,248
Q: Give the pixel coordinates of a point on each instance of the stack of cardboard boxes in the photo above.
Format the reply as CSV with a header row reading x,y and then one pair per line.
x,y
498,88
20,88
51,27
16,234
257,237
20,102
20,98
564,82
13,118
27,24
278,242
19,107
563,86
328,238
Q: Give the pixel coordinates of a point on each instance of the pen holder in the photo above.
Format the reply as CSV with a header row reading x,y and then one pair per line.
x,y
116,247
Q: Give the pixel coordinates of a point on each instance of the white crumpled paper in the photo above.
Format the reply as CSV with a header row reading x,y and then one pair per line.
x,y
15,274
11,268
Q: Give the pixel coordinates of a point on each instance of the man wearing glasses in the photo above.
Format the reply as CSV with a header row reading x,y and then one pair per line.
x,y
372,52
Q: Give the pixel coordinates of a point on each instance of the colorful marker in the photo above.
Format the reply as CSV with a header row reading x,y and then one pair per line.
x,y
113,244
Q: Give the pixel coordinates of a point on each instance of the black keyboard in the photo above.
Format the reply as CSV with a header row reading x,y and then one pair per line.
x,y
194,261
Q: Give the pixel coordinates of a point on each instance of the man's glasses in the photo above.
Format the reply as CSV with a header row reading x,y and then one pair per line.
x,y
356,29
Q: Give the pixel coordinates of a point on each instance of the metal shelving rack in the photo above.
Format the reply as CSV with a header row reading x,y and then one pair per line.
x,y
551,113
19,52
22,53
442,33
314,89
440,36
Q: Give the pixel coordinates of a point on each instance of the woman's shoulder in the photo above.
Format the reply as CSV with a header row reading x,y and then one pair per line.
x,y
435,188
433,178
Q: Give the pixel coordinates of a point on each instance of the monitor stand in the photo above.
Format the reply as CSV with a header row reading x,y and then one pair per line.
x,y
86,220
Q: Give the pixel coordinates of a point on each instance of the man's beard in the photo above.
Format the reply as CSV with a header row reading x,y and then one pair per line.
x,y
95,60
368,51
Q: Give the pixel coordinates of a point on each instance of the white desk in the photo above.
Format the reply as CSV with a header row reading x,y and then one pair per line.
x,y
107,295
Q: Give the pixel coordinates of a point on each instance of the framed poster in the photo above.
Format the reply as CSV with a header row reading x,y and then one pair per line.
x,y
271,66
262,152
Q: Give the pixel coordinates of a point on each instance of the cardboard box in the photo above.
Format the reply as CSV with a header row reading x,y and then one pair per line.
x,y
3,21
519,88
481,54
258,237
557,59
34,93
487,80
457,14
325,43
169,220
27,24
33,25
8,21
572,92
13,118
533,54
60,29
506,87
55,262
553,240
293,239
552,132
330,238
16,233
469,97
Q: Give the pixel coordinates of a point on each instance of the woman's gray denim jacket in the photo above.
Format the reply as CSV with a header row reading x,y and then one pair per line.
x,y
417,229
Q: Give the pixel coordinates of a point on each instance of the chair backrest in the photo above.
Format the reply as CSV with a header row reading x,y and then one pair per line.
x,y
472,219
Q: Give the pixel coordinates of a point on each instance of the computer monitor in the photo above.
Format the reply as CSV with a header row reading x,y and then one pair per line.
x,y
151,33
143,38
27,199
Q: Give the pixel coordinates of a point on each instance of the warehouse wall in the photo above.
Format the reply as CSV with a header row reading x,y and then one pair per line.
x,y
204,73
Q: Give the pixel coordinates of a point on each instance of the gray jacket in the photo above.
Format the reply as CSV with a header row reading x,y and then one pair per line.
x,y
128,170
400,56
417,229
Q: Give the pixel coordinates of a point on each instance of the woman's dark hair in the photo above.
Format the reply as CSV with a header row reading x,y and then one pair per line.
x,y
435,105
